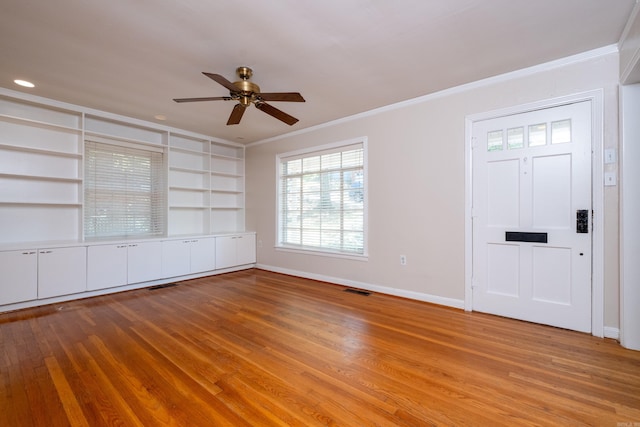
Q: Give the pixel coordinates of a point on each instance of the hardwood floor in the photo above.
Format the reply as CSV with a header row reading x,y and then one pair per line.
x,y
255,348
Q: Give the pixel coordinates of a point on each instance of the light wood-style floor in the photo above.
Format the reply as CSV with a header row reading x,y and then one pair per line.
x,y
255,348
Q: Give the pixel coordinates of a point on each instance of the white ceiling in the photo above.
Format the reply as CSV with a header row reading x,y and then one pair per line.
x,y
132,57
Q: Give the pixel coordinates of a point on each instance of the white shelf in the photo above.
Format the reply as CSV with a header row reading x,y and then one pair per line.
x,y
40,124
40,178
223,157
230,175
187,150
226,208
188,207
180,169
124,131
50,204
121,139
178,188
216,190
40,151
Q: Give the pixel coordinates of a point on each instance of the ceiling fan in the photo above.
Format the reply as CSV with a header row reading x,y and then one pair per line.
x,y
247,93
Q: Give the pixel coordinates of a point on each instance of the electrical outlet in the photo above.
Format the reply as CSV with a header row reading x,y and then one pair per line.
x,y
403,260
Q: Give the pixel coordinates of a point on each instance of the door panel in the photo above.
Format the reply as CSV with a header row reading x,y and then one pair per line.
x,y
503,270
552,275
503,193
531,174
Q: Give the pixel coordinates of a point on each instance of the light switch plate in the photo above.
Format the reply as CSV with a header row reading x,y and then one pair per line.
x,y
610,179
609,156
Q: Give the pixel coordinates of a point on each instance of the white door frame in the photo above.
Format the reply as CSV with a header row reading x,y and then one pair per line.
x,y
597,193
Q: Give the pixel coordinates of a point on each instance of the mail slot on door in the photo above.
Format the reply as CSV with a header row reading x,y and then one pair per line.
x,y
520,236
582,221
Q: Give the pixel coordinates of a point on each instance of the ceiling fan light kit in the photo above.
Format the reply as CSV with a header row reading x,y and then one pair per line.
x,y
246,93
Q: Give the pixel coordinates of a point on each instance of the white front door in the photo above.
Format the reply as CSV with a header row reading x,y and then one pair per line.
x,y
531,204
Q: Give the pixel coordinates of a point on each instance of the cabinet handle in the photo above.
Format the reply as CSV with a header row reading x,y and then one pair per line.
x,y
193,241
132,246
45,252
121,246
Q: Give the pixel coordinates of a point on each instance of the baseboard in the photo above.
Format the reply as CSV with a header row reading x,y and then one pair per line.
x,y
434,299
613,333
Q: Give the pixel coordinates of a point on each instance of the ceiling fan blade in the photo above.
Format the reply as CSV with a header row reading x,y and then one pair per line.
x,y
281,96
278,114
223,81
209,98
236,114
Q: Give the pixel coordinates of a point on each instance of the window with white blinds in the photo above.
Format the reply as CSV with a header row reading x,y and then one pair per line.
x,y
322,199
124,190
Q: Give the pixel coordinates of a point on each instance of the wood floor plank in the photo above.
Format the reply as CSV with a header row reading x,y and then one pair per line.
x,y
255,348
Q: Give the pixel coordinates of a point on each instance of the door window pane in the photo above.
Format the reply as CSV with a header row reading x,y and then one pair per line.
x,y
538,135
561,131
494,140
515,138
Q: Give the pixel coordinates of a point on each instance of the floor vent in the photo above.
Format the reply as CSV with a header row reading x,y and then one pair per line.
x,y
168,285
357,291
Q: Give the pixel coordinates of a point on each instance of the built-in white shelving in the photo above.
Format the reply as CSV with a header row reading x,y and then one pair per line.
x,y
206,185
41,170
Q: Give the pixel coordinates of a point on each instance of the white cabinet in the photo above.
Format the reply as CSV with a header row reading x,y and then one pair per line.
x,y
246,249
119,264
175,258
62,271
187,256
106,266
203,254
19,276
144,262
235,250
42,273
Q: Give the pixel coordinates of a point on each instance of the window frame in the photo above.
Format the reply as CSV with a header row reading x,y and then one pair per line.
x,y
311,152
160,181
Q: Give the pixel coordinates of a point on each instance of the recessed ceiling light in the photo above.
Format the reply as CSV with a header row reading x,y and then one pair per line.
x,y
24,83
160,117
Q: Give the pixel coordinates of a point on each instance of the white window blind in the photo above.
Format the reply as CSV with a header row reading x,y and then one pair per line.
x,y
124,190
322,200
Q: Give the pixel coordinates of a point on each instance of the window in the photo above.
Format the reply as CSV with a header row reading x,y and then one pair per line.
x,y
322,199
124,190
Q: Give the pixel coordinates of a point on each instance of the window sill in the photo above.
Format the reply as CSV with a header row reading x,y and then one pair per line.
x,y
291,249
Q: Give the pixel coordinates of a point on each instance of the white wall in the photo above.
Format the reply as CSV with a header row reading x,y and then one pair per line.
x,y
630,212
416,182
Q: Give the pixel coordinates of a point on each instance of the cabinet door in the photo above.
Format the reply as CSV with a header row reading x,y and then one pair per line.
x,y
246,249
203,255
106,266
144,262
19,276
176,258
225,251
62,271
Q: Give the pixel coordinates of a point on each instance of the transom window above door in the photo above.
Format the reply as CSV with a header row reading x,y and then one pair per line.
x,y
535,135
